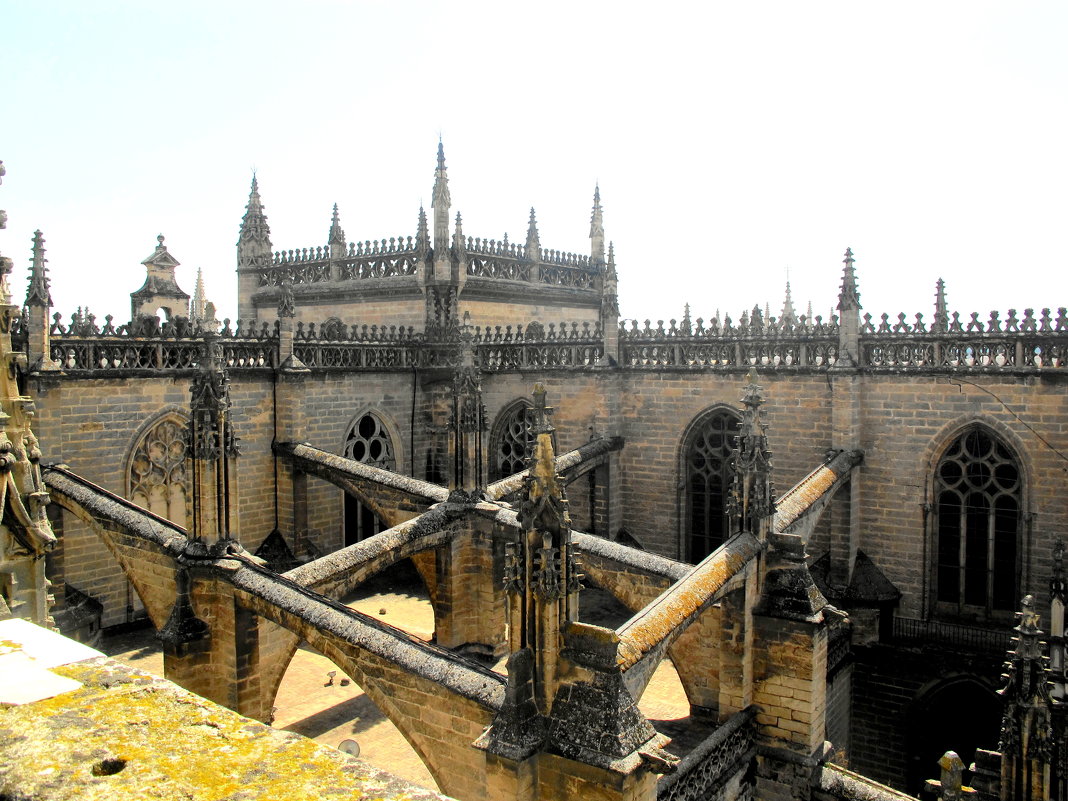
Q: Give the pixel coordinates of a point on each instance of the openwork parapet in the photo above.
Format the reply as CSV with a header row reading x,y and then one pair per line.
x,y
1011,344
333,345
724,754
146,344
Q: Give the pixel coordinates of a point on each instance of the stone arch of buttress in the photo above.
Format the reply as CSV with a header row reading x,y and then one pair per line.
x,y
371,679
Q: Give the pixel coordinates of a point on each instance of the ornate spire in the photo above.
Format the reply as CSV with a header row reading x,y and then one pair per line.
x,y
213,447
610,288
422,235
788,314
254,227
533,240
458,243
468,420
752,493
38,294
941,318
597,227
199,298
849,297
1026,732
441,200
337,234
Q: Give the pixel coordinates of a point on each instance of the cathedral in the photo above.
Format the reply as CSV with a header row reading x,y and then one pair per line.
x,y
837,530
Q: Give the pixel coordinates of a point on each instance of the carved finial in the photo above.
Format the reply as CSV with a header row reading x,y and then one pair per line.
x,y
1057,586
337,234
542,413
788,314
597,227
458,243
440,202
422,234
941,318
533,240
197,308
287,303
38,293
160,240
849,297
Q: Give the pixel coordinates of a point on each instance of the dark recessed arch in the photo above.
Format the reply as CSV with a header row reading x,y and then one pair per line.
x,y
369,438
511,440
977,526
705,480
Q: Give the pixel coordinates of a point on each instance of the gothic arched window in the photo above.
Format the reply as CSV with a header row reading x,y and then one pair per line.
x,y
157,477
978,513
707,476
513,441
367,440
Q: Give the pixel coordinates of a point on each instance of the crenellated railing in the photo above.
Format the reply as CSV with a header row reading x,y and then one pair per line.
x,y
722,756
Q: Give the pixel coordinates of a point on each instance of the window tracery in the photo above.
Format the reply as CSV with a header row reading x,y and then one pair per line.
x,y
157,475
368,441
706,483
513,441
978,503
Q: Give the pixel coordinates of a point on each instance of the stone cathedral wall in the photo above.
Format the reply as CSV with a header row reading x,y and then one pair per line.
x,y
92,424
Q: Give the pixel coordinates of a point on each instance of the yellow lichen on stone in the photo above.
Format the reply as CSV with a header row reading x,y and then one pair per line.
x,y
126,734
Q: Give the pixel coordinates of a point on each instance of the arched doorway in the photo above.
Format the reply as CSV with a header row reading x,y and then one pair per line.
x,y
959,714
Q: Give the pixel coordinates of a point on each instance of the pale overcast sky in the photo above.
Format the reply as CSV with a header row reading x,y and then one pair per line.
x,y
732,140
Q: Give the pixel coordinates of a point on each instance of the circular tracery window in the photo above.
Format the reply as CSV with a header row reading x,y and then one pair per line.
x,y
369,442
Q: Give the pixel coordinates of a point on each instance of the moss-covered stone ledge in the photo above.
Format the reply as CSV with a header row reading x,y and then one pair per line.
x,y
126,734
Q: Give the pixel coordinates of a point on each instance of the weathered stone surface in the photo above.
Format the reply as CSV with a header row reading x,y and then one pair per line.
x,y
127,734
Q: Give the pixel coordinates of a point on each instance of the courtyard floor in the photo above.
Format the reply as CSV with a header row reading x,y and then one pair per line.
x,y
331,709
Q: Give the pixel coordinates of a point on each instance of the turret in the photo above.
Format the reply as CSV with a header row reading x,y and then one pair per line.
x,y
253,252
160,290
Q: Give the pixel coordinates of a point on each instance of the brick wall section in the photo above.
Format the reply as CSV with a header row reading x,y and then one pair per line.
x,y
658,407
887,682
908,420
